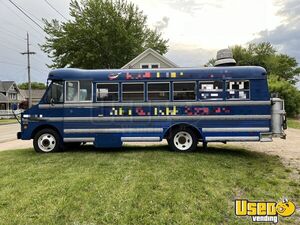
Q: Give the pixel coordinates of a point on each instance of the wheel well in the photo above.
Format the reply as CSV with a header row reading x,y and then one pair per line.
x,y
183,125
44,127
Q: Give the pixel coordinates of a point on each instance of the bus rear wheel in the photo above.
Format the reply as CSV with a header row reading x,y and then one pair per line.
x,y
183,140
46,141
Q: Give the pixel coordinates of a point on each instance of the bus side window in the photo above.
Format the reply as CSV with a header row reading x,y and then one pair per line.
x,y
158,91
78,91
211,90
85,91
108,92
184,91
72,91
238,90
133,91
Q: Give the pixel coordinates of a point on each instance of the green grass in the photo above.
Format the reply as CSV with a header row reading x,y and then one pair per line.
x,y
138,185
293,123
7,121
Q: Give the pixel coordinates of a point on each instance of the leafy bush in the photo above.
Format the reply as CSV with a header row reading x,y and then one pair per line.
x,y
286,91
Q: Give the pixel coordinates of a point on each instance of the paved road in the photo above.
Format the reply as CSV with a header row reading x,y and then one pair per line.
x,y
9,132
8,138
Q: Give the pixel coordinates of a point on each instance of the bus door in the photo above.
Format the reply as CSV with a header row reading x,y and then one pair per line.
x,y
78,98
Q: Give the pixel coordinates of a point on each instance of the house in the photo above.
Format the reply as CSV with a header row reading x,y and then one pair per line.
x,y
149,59
9,94
35,93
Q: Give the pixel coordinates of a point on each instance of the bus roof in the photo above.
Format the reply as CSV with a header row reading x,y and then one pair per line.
x,y
236,72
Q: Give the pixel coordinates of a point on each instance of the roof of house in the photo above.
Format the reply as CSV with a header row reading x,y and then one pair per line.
x,y
36,93
146,53
5,85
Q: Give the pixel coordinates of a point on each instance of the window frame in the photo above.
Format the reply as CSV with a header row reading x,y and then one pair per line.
x,y
180,82
109,92
78,101
237,99
149,65
160,82
144,91
217,91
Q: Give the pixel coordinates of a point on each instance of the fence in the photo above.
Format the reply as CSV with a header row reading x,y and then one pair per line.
x,y
9,113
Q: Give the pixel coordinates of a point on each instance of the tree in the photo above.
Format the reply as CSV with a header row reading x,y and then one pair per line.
x,y
34,85
265,55
286,91
283,71
101,34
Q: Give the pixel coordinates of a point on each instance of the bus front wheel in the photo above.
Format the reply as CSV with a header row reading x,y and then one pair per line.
x,y
46,141
183,140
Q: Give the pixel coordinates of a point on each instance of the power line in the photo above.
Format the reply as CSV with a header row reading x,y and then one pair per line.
x,y
10,63
55,10
11,10
8,47
22,11
12,34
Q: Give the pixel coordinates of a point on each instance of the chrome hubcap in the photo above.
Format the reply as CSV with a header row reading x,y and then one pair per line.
x,y
183,140
46,142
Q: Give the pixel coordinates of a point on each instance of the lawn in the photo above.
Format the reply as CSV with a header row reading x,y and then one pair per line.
x,y
7,121
138,185
293,123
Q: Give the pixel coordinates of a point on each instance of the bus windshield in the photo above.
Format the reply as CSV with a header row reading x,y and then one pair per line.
x,y
55,92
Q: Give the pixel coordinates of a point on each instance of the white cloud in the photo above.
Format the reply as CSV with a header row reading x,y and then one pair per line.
x,y
190,56
286,37
163,24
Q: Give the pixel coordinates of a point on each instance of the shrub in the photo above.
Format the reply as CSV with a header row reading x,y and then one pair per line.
x,y
286,91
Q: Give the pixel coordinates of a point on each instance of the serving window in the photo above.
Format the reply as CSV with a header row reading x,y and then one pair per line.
x,y
238,90
211,90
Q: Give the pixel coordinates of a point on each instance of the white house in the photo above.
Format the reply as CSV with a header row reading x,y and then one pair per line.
x,y
149,59
9,94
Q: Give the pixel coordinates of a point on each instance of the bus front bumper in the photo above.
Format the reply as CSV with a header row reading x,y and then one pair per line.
x,y
19,135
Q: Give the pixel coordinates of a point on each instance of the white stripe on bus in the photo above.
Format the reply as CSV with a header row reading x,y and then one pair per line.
x,y
152,118
80,139
237,129
139,139
141,104
237,138
114,130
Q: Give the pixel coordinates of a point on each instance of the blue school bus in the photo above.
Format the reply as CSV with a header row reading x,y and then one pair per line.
x,y
185,106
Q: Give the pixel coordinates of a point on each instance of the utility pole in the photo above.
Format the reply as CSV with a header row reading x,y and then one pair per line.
x,y
28,53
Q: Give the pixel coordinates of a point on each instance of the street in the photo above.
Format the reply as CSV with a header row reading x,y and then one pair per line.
x,y
8,138
9,132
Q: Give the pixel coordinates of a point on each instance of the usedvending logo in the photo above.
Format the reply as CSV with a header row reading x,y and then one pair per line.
x,y
264,211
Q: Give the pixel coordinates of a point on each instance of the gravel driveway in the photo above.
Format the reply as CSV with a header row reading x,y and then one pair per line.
x,y
288,150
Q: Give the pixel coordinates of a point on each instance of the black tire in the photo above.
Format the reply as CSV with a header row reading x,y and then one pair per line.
x,y
47,141
183,140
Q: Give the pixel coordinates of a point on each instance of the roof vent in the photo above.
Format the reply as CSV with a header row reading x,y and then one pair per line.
x,y
225,58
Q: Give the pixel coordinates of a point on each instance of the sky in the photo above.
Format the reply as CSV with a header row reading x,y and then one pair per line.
x,y
196,29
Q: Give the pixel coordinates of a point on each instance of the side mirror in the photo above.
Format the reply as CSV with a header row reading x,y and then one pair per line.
x,y
23,105
52,101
